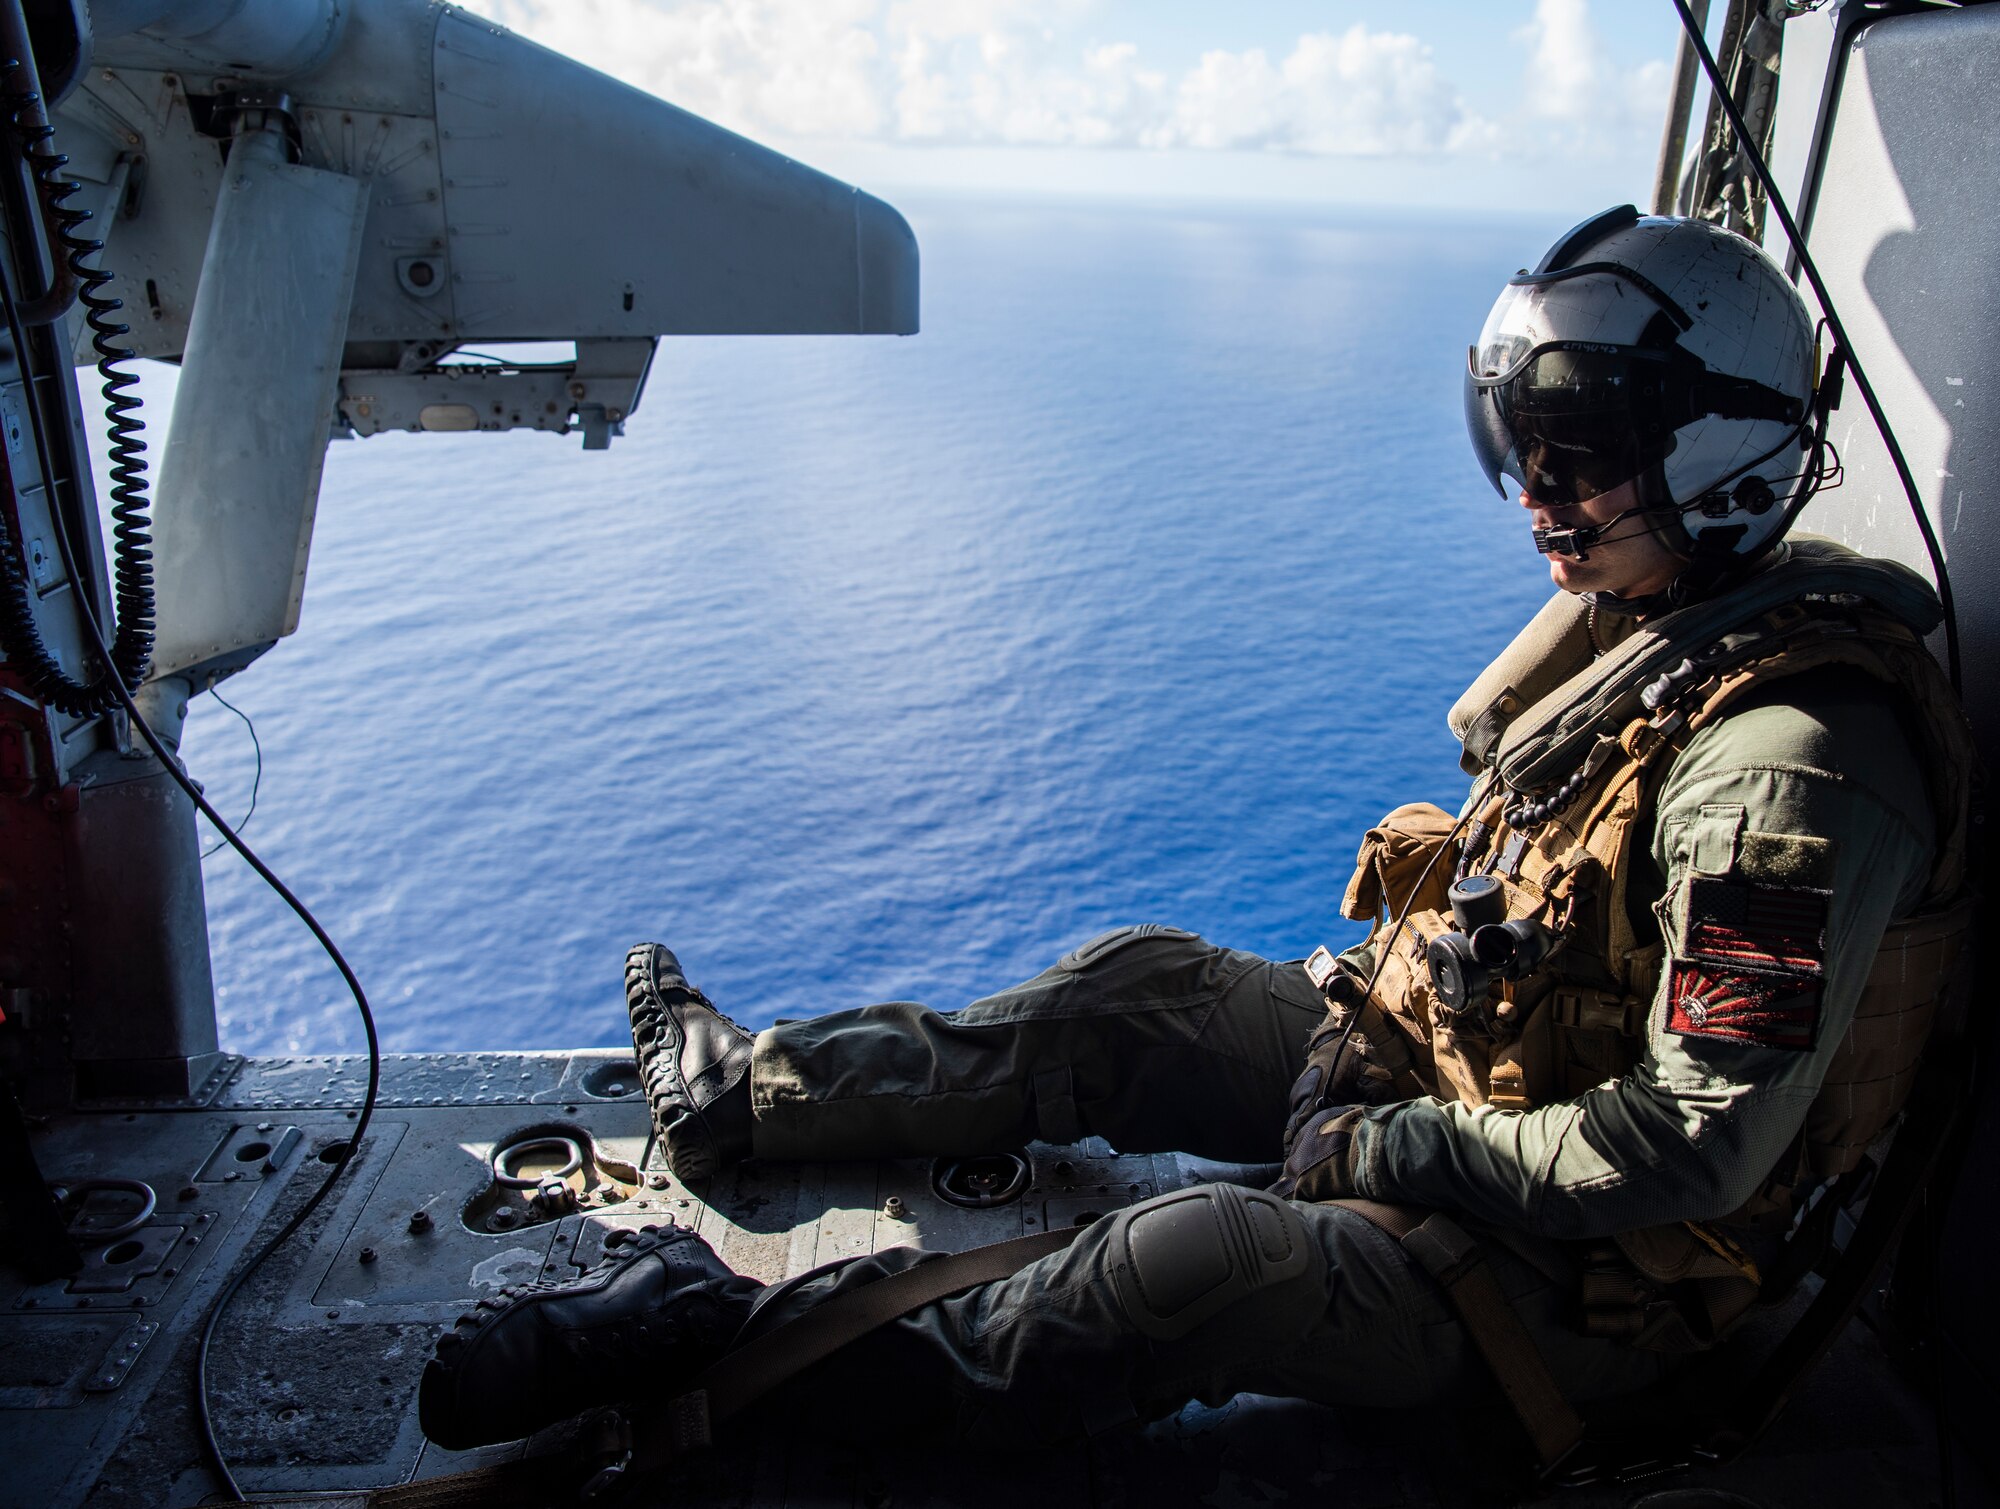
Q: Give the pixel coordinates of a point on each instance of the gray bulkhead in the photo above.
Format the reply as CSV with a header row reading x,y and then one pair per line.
x,y
544,203
1897,187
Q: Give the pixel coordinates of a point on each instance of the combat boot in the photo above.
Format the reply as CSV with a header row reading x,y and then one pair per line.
x,y
694,1063
661,1307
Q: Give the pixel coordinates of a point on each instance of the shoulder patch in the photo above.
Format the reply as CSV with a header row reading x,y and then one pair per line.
x,y
1769,1011
1744,924
1786,859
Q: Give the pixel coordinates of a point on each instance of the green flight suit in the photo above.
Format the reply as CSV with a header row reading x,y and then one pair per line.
x,y
1156,1040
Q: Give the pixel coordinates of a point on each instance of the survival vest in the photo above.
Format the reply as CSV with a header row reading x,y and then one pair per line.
x,y
1572,752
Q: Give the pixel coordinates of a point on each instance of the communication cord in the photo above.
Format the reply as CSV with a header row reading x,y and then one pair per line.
x,y
1402,917
130,653
1947,1483
114,682
1833,321
256,780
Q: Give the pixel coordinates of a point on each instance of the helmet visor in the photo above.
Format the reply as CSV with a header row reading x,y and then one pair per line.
x,y
1566,419
1571,419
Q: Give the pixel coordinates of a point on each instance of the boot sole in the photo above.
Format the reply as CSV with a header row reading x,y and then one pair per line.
x,y
657,1035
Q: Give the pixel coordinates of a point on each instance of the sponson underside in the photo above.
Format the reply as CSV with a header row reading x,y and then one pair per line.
x,y
315,1367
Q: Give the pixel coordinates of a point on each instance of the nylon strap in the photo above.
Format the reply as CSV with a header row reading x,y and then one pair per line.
x,y
525,1483
755,1368
656,1434
1458,1263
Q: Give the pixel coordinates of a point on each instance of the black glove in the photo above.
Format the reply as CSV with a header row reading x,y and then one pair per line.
x,y
1340,1065
1318,1163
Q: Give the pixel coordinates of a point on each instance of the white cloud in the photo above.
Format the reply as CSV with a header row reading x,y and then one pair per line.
x,y
1570,79
968,72
1361,94
797,68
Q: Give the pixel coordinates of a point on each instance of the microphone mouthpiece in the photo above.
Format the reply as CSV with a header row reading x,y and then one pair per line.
x,y
1571,541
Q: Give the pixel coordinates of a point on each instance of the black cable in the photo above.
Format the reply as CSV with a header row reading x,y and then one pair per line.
x,y
1811,269
172,764
131,650
256,780
1473,803
122,697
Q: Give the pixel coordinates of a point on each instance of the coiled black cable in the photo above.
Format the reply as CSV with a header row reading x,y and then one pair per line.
x,y
134,638
130,654
170,762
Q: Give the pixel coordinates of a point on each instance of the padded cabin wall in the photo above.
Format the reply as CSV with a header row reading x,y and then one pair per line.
x,y
1904,215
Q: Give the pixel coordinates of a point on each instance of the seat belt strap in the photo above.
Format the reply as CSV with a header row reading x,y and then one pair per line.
x,y
649,1437
745,1375
1458,1264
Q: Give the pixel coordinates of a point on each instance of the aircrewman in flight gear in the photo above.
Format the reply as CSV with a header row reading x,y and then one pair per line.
x,y
1659,983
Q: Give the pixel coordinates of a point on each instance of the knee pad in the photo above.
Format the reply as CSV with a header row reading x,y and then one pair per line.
x,y
1182,1258
1104,945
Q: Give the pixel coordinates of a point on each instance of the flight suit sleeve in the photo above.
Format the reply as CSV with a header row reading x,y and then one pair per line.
x,y
1779,826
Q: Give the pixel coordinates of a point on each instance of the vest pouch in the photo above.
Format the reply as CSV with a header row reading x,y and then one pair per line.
x,y
1595,1036
1392,856
1403,998
1676,1288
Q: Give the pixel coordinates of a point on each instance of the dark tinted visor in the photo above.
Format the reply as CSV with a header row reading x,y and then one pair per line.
x,y
1567,420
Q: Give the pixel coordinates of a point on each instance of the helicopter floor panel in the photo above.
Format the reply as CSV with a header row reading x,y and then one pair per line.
x,y
315,1366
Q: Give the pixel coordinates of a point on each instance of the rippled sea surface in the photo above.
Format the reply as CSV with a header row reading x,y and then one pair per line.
x,y
1133,589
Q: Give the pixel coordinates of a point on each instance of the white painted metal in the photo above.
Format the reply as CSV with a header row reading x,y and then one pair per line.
x,y
240,480
260,39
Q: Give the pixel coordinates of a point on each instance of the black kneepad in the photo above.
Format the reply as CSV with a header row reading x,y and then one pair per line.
x,y
1183,1258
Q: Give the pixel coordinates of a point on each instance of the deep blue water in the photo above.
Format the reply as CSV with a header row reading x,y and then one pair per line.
x,y
1133,589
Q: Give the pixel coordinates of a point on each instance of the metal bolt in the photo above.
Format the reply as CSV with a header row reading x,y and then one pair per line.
x,y
893,1208
368,1254
656,1181
262,1126
420,1222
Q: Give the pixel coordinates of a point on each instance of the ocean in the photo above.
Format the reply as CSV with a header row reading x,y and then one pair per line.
x,y
1134,589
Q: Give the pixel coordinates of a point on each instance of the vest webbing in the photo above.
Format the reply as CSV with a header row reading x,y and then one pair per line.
x,y
1582,1020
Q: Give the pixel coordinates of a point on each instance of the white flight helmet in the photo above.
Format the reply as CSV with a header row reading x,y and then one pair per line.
x,y
1654,348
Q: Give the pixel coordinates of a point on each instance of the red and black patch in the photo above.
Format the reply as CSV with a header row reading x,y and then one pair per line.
x,y
1740,924
1771,1011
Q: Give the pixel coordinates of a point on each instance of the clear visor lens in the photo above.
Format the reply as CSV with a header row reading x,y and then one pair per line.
x,y
1589,307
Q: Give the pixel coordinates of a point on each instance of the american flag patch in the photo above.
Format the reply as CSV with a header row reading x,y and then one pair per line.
x,y
1772,1011
1751,926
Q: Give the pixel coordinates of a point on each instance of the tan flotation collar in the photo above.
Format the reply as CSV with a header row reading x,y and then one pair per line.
x,y
1535,733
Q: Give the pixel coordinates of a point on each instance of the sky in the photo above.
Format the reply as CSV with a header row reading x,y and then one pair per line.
x,y
1454,104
